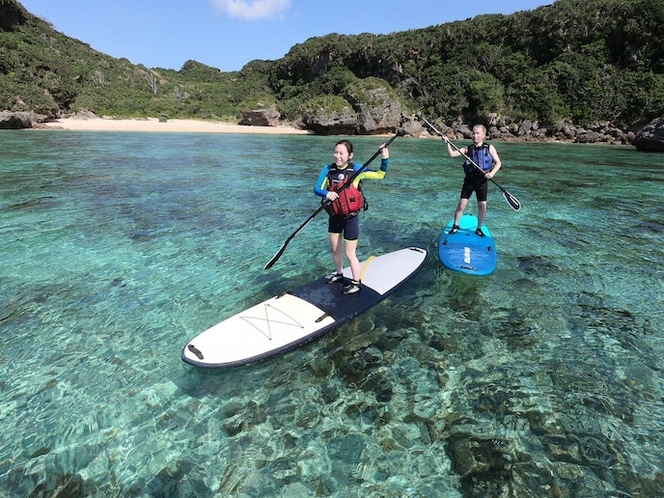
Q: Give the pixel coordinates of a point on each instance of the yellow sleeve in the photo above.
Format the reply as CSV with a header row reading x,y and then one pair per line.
x,y
369,175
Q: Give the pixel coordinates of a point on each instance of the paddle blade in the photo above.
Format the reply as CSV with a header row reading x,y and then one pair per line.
x,y
275,257
283,247
511,200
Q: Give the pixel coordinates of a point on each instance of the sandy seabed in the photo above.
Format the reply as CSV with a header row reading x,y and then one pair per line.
x,y
172,125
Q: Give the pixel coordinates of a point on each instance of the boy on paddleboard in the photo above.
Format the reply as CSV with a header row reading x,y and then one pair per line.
x,y
340,187
486,165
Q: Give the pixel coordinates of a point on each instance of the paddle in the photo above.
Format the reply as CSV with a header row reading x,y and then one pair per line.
x,y
511,200
324,204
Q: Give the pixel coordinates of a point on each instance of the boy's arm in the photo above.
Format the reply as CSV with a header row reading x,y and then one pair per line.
x,y
454,152
496,160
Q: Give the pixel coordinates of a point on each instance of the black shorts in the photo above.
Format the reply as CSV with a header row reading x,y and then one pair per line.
x,y
349,225
475,183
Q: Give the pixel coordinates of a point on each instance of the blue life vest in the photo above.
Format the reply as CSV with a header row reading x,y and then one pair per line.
x,y
481,156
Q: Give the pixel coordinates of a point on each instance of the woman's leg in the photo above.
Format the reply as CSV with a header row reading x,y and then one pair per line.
x,y
335,242
351,254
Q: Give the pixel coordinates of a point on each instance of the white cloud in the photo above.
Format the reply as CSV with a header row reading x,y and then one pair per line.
x,y
252,9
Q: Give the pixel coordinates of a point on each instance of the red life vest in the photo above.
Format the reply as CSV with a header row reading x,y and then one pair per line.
x,y
350,199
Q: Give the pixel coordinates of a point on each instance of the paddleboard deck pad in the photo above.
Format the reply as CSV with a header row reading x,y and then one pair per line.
x,y
465,251
298,316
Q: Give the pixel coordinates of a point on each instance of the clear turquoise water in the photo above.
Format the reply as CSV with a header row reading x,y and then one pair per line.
x,y
544,378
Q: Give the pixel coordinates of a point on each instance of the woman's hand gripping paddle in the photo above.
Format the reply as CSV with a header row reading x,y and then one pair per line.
x,y
322,206
511,200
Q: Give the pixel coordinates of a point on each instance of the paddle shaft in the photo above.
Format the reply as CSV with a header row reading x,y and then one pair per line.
x,y
511,200
327,202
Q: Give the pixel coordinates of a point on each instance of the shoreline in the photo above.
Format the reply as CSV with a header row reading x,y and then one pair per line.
x,y
105,124
172,125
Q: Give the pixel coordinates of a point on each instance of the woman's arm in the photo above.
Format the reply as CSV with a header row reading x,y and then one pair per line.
x,y
374,175
321,185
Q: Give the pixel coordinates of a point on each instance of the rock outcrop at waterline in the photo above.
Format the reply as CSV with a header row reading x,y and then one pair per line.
x,y
370,120
16,120
651,137
373,120
530,131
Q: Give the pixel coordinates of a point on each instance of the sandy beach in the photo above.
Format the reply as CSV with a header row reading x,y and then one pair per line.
x,y
172,125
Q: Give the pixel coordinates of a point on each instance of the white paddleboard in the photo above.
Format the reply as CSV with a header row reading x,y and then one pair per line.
x,y
296,317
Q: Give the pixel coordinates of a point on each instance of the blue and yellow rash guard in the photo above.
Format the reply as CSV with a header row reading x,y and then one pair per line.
x,y
321,188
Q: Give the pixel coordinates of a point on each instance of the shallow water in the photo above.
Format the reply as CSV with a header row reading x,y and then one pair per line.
x,y
544,378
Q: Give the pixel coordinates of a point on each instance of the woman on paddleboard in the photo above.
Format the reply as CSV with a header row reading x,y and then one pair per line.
x,y
486,165
341,189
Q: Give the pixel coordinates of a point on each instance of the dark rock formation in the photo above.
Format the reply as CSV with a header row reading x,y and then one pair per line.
x,y
15,120
331,122
11,14
261,117
651,137
376,111
498,129
367,107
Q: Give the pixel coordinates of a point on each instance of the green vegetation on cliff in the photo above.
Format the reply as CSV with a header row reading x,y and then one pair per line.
x,y
580,61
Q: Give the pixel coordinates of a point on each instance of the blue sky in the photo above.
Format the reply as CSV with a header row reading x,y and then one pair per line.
x,y
227,34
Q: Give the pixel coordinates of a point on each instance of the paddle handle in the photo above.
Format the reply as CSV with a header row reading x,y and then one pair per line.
x,y
366,164
326,202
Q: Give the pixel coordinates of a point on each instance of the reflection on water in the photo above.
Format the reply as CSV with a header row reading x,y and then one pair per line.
x,y
542,379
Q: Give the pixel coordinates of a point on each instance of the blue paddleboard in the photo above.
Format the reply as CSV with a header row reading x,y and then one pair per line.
x,y
465,251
